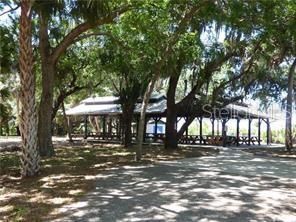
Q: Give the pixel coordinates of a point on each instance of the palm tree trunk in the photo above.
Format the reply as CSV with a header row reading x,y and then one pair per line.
x,y
28,117
288,132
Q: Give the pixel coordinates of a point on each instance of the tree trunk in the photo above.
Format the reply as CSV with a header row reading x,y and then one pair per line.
x,y
45,111
28,119
49,58
144,107
127,118
158,71
46,102
185,126
288,132
66,124
171,141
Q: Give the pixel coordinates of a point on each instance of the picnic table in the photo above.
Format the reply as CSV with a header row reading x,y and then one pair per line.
x,y
244,139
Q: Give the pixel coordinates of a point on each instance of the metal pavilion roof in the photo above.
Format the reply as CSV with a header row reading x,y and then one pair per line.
x,y
109,105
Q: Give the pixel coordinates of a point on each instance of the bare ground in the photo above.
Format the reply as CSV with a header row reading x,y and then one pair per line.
x,y
68,176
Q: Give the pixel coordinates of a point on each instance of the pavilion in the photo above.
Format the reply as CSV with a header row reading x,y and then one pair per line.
x,y
99,118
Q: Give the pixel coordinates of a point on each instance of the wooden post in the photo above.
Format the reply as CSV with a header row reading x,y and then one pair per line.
x,y
110,127
104,127
98,129
259,131
155,128
200,130
137,126
249,131
120,128
85,127
213,126
224,134
237,131
117,127
7,129
218,127
267,132
186,131
145,128
69,128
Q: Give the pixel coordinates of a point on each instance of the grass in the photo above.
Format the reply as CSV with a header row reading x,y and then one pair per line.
x,y
67,176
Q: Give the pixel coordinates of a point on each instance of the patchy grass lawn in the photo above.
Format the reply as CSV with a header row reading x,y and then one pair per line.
x,y
69,175
273,152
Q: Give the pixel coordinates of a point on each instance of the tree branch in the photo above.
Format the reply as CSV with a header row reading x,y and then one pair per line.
x,y
185,126
10,10
206,74
116,40
64,94
78,30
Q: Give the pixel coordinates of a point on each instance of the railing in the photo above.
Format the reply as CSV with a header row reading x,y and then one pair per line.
x,y
190,139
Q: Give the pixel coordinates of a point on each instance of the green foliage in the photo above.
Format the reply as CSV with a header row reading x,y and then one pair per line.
x,y
8,84
278,49
123,56
90,10
8,50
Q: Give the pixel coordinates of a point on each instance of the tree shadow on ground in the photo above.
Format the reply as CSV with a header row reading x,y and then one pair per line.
x,y
173,193
66,177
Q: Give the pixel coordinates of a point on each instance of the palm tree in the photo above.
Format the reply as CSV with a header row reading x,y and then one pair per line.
x,y
28,118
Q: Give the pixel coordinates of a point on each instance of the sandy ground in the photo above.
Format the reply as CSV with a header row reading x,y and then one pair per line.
x,y
233,186
11,143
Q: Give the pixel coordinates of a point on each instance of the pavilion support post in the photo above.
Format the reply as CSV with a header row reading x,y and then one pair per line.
x,y
186,131
237,131
110,127
267,132
7,129
69,128
155,128
145,129
200,130
121,128
213,126
249,131
186,141
259,131
218,127
98,129
224,133
104,127
118,127
85,127
137,126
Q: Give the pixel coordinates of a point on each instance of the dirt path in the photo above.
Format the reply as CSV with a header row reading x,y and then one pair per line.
x,y
233,186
